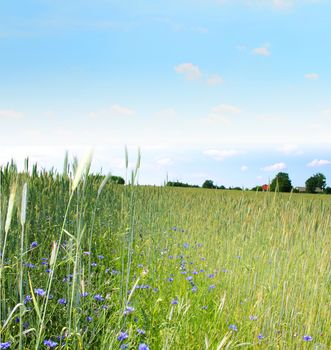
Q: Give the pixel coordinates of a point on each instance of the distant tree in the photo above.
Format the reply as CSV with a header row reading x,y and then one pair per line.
x,y
316,181
117,180
327,190
208,184
257,188
221,187
281,183
180,184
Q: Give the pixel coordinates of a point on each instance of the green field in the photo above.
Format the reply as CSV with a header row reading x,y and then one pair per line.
x,y
122,266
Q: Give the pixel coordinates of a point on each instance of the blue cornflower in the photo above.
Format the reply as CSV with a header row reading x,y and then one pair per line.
x,y
50,343
86,253
307,338
195,272
107,270
115,272
253,317
194,289
199,245
122,336
31,266
260,337
141,331
128,310
48,270
170,279
100,257
233,327
5,345
34,244
189,278
62,301
124,346
186,245
40,292
202,258
98,297
204,307
94,264
174,301
211,287
83,295
211,275
170,257
27,299
89,318
143,346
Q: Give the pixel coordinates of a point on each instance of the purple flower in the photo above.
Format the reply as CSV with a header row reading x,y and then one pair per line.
x,y
122,336
174,301
307,338
211,287
94,264
189,278
31,266
40,292
34,244
253,317
48,270
27,299
86,253
211,275
5,345
260,336
186,245
124,346
141,331
128,310
89,318
204,307
143,346
233,327
62,301
50,343
83,295
100,257
194,289
98,297
170,279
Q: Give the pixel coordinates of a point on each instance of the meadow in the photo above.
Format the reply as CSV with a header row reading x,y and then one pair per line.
x,y
86,264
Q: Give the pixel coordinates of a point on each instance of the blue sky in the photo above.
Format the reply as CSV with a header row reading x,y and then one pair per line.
x,y
234,91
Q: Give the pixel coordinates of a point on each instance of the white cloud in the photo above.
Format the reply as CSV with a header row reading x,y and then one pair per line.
x,y
261,51
189,70
282,4
120,110
164,161
221,154
275,167
244,168
215,80
319,162
222,113
10,114
290,149
311,76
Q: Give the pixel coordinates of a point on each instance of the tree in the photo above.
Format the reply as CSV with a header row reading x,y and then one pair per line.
x,y
208,184
117,180
327,190
281,183
316,181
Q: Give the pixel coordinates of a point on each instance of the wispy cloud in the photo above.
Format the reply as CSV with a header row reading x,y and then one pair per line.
x,y
262,51
290,149
223,113
10,114
318,162
189,70
121,110
311,76
214,80
221,154
275,167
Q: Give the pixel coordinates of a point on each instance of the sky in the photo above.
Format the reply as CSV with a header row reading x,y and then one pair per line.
x,y
228,90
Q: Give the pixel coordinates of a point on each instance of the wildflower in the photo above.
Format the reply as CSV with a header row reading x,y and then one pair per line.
x,y
122,336
211,275
199,245
124,346
89,318
170,257
143,346
170,279
307,338
34,244
107,270
48,270
27,299
253,318
115,272
186,245
83,295
98,297
204,307
260,336
100,257
141,331
211,287
62,301
233,327
5,345
31,266
40,292
94,264
194,289
195,272
128,310
50,343
174,301
189,278
86,253
140,266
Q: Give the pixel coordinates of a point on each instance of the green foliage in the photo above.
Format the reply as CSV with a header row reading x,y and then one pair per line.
x,y
117,180
180,184
208,184
327,190
315,182
281,183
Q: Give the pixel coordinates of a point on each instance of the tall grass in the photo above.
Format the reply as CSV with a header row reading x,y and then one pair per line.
x,y
189,268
